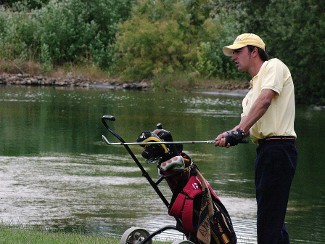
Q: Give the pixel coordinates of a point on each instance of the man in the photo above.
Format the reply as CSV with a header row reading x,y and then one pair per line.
x,y
268,117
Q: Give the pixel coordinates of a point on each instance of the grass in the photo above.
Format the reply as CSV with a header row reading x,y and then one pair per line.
x,y
32,68
10,235
164,82
21,236
189,81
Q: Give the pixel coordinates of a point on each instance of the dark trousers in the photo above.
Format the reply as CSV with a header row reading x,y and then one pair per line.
x,y
274,170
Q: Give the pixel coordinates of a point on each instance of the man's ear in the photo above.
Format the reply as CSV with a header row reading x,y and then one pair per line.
x,y
255,52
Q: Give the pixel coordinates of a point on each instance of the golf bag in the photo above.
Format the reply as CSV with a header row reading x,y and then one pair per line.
x,y
203,217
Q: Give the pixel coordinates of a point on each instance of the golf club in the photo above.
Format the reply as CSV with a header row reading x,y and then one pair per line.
x,y
159,126
152,143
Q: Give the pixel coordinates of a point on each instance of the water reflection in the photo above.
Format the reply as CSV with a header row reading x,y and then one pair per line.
x,y
83,193
55,172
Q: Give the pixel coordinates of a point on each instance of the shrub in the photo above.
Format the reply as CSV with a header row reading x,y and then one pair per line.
x,y
166,37
17,36
293,31
63,31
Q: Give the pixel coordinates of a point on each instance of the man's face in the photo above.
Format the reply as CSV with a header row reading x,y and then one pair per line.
x,y
242,59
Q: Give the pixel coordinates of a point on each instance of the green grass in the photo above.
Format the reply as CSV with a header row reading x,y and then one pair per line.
x,y
10,235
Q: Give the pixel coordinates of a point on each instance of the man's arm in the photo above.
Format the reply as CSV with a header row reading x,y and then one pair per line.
x,y
258,109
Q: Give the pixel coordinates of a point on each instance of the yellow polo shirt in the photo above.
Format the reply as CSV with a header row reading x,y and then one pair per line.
x,y
279,117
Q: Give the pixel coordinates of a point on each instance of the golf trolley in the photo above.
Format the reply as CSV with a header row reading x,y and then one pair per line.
x,y
174,163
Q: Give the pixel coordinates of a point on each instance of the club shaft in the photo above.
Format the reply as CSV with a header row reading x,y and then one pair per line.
x,y
152,143
165,142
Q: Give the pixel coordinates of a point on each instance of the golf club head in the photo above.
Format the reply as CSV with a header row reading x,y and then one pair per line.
x,y
105,140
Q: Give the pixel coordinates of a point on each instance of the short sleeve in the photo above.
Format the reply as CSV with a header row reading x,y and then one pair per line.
x,y
273,76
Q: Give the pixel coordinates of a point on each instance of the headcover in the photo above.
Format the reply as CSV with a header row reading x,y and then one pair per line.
x,y
157,153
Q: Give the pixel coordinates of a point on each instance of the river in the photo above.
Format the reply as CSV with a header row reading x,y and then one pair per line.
x,y
57,174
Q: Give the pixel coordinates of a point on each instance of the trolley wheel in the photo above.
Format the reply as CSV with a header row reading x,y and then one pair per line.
x,y
182,242
134,235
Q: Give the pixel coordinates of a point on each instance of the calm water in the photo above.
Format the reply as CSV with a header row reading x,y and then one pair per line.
x,y
57,174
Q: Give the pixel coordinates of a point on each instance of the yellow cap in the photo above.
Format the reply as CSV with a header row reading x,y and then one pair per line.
x,y
242,41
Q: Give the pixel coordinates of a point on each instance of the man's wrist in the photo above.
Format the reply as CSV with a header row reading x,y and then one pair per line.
x,y
242,131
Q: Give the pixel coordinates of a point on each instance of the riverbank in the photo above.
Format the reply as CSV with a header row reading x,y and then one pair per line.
x,y
68,80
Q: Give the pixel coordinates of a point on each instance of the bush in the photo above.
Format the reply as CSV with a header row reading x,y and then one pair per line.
x,y
294,32
19,5
145,39
64,31
166,37
17,36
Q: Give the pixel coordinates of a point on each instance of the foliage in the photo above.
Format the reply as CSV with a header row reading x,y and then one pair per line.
x,y
167,36
25,4
63,31
17,35
147,39
301,35
294,32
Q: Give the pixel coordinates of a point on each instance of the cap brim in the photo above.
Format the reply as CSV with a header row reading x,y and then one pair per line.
x,y
228,50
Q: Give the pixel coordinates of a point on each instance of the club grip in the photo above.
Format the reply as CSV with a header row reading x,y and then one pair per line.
x,y
108,117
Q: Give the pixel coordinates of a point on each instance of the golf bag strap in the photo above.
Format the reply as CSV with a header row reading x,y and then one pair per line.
x,y
177,207
187,216
183,204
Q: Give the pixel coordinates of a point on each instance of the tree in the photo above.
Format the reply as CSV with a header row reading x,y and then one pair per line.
x,y
166,36
67,31
294,32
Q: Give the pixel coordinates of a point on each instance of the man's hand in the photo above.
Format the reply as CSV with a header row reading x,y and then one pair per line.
x,y
230,138
235,137
220,140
